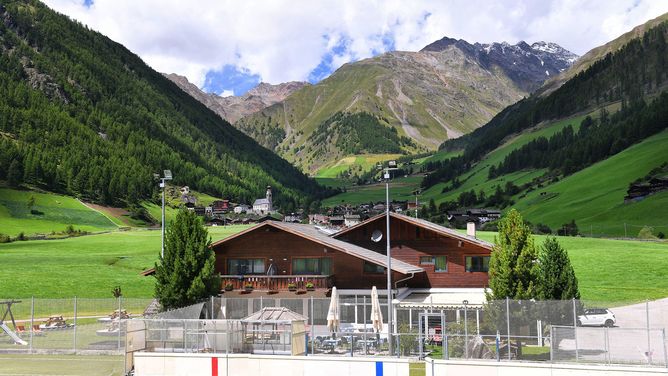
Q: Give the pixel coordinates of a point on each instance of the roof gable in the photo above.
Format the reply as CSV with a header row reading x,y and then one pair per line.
x,y
311,233
441,230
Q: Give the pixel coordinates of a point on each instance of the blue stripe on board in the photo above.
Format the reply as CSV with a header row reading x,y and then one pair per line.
x,y
379,368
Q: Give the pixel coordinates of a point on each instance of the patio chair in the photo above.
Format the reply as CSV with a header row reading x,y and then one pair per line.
x,y
20,329
36,330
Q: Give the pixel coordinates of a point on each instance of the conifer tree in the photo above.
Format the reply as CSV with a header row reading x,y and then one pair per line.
x,y
512,268
186,274
14,174
557,280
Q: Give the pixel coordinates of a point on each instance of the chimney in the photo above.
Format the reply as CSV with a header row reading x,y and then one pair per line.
x,y
470,229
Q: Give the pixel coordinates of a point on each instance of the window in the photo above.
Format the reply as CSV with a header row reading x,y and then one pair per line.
x,y
373,268
477,263
440,264
245,266
426,260
312,266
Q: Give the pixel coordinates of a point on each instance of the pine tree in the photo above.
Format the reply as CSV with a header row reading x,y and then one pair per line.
x,y
512,268
186,274
15,174
556,277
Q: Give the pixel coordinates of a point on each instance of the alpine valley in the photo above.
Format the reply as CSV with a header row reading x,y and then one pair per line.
x,y
395,103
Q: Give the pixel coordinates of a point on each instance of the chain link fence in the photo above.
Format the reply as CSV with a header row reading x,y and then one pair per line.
x,y
68,326
556,331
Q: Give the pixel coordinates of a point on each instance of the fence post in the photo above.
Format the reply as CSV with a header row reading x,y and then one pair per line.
x,y
443,328
32,320
551,343
466,333
508,324
212,316
312,339
663,341
75,325
365,334
446,353
575,331
607,345
649,341
119,323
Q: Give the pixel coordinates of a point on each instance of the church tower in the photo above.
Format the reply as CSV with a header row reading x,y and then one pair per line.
x,y
269,201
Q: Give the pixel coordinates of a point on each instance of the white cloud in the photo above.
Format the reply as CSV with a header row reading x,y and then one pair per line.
x,y
226,93
285,40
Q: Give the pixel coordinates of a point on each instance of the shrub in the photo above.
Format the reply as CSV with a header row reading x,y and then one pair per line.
x,y
661,235
646,233
5,238
21,236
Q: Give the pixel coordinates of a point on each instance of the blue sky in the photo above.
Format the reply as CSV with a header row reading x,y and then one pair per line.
x,y
228,46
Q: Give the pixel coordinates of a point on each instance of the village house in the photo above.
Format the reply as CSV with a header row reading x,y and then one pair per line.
x,y
242,208
351,220
426,258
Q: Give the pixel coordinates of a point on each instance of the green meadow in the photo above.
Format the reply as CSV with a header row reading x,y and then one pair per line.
x,y
610,271
88,266
614,272
51,212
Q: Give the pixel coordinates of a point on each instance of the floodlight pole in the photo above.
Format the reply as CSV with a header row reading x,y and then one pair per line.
x,y
162,249
167,175
386,176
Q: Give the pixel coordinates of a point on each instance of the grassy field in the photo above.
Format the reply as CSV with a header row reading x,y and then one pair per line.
x,y
362,163
400,189
615,272
88,266
51,212
91,266
63,365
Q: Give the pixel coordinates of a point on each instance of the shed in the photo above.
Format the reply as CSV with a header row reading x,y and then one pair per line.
x,y
276,331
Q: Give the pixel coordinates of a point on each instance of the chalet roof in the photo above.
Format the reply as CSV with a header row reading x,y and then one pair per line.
x,y
311,233
448,232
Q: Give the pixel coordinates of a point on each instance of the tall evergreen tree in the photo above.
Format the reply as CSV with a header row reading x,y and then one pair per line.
x,y
14,174
512,268
186,274
556,277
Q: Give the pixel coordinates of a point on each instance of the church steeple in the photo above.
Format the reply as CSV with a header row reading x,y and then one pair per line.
x,y
269,197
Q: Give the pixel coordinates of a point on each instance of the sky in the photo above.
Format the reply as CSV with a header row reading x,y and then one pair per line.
x,y
227,47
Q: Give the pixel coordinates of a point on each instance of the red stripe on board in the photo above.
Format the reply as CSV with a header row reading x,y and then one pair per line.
x,y
214,366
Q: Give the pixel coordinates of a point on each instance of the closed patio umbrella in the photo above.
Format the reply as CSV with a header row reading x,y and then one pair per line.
x,y
376,313
333,318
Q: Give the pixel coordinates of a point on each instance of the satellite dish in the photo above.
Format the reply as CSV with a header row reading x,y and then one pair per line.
x,y
376,236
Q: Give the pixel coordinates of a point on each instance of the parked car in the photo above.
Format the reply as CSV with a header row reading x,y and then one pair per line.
x,y
597,317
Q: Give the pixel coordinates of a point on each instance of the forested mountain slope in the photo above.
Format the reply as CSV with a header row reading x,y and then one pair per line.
x,y
82,115
634,76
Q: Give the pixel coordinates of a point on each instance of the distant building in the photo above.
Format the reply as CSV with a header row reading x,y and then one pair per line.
x,y
264,205
239,209
351,220
474,215
292,218
336,220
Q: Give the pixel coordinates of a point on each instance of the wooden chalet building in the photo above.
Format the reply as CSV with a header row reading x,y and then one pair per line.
x,y
272,255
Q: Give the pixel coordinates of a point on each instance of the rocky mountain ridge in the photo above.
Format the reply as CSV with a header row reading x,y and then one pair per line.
x,y
233,108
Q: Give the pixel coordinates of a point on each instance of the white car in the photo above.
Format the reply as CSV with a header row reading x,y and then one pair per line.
x,y
597,317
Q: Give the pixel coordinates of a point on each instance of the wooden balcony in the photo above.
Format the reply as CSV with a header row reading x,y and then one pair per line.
x,y
277,282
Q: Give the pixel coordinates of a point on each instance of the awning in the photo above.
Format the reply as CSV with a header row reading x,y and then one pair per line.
x,y
475,298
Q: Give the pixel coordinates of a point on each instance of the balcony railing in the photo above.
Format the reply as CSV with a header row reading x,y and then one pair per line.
x,y
276,282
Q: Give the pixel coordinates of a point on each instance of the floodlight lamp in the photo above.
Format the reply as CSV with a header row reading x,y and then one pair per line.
x,y
168,174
